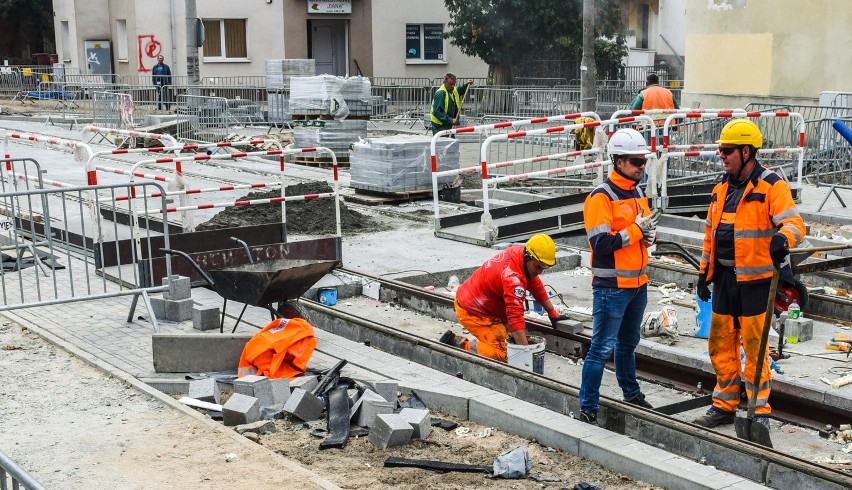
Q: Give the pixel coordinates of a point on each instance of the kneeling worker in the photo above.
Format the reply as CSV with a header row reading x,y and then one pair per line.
x,y
490,304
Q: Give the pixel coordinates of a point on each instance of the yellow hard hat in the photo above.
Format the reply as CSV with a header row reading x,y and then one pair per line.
x,y
741,132
542,248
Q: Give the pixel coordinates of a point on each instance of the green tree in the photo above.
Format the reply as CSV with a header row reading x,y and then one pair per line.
x,y
504,32
26,26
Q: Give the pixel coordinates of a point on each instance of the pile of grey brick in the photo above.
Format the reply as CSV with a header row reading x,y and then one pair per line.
x,y
176,303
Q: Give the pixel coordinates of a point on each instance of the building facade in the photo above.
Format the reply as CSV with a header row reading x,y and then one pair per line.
x,y
374,38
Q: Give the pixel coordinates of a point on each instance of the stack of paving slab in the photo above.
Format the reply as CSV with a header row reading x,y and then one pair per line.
x,y
337,136
400,163
328,95
278,75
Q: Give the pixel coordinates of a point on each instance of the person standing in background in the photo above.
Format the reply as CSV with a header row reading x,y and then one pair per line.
x,y
447,103
162,75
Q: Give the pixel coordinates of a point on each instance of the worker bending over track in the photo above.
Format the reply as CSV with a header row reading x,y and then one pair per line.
x,y
490,304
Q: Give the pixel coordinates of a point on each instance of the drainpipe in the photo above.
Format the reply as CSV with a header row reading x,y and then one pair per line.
x,y
174,60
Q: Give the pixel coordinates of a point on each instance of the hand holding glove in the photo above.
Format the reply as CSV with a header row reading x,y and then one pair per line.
x,y
648,224
702,288
778,249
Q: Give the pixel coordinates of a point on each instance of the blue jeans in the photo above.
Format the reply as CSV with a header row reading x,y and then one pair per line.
x,y
616,320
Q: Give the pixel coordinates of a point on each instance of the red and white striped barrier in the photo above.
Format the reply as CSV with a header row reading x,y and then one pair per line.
x,y
233,156
199,191
486,127
168,140
47,140
249,202
556,129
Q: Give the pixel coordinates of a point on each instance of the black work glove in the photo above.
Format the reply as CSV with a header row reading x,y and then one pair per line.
x,y
702,288
555,319
778,249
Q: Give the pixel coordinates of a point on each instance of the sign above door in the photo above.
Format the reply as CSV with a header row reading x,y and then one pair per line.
x,y
329,6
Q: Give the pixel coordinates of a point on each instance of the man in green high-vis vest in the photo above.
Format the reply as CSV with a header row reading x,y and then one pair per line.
x,y
446,103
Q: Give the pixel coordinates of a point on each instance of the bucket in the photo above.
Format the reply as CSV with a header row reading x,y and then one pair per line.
x,y
327,296
703,317
527,357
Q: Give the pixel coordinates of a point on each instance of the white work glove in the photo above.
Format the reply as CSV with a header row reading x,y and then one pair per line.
x,y
648,224
651,238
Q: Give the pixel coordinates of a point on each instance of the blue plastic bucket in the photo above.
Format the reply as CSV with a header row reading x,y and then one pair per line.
x,y
703,317
327,296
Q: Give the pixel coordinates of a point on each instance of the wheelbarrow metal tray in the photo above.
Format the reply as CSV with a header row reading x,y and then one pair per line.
x,y
270,281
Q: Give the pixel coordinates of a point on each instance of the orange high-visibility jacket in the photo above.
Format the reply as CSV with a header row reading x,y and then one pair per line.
x,y
766,208
656,97
619,254
281,350
499,287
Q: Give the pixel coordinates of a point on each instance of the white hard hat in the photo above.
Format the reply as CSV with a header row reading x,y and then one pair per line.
x,y
627,142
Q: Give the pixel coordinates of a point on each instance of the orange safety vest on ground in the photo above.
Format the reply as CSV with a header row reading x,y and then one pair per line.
x,y
498,289
619,254
766,208
281,350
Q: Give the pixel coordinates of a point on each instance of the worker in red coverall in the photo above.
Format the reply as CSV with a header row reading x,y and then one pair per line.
x,y
490,304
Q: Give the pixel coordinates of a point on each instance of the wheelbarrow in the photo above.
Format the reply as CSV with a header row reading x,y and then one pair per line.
x,y
261,283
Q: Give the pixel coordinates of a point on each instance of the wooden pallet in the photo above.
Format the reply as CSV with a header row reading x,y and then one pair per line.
x,y
321,162
326,117
375,198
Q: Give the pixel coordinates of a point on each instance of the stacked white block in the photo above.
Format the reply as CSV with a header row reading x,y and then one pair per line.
x,y
400,163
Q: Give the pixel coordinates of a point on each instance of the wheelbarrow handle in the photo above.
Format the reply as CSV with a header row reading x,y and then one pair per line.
x,y
186,256
246,247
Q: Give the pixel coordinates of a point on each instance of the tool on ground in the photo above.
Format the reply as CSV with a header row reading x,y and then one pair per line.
x,y
745,426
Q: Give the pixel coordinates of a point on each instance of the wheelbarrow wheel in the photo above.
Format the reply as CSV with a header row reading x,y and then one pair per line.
x,y
290,309
788,293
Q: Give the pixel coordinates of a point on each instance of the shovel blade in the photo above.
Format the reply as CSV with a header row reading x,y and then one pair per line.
x,y
752,431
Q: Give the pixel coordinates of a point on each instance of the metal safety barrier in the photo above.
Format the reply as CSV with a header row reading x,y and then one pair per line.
x,y
20,479
202,119
64,238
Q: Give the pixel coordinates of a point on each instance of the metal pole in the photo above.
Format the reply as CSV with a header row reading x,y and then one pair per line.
x,y
588,69
192,69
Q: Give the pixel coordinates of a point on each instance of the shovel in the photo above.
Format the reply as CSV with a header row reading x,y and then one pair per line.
x,y
745,426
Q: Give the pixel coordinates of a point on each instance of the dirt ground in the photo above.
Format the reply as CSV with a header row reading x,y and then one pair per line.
x,y
310,217
73,427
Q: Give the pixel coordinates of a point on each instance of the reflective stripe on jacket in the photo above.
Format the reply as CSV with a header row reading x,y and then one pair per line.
x,y
766,208
619,254
281,350
435,118
499,288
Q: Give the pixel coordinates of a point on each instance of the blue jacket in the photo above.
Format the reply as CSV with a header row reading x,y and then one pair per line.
x,y
162,74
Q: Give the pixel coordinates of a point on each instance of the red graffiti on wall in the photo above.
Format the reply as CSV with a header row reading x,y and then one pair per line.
x,y
149,47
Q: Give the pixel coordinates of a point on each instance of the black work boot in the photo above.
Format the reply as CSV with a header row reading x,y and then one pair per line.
x,y
450,338
714,417
589,417
639,400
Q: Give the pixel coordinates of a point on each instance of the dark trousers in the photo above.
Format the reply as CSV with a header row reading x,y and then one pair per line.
x,y
163,98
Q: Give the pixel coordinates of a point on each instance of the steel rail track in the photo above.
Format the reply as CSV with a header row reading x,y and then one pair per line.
x,y
727,453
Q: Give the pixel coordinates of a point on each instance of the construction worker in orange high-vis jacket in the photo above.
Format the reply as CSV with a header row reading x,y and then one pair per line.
x,y
751,223
490,304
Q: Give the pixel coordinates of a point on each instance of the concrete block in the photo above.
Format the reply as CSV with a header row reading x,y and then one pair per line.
x,y
368,406
179,288
307,383
240,410
259,427
390,430
420,420
445,401
205,317
158,305
197,352
259,387
280,390
389,390
173,311
205,390
803,328
304,405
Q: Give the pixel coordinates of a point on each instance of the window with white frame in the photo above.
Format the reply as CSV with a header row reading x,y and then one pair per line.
x,y
121,38
424,43
224,39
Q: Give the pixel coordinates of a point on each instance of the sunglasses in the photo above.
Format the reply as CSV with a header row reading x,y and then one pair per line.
x,y
636,162
727,151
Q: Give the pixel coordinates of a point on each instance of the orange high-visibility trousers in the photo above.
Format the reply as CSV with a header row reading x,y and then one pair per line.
x,y
738,305
490,333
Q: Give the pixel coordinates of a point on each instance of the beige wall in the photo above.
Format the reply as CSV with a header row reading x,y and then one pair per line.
x,y
264,35
389,19
742,51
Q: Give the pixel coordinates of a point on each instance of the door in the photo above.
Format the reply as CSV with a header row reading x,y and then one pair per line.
x,y
328,46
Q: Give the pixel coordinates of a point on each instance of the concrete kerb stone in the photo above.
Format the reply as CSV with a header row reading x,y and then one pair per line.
x,y
307,383
240,409
280,390
368,407
205,317
259,387
179,288
206,390
304,405
388,390
454,404
172,310
420,420
390,430
260,427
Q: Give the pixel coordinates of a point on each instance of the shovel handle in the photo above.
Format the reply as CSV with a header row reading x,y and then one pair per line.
x,y
192,262
764,339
